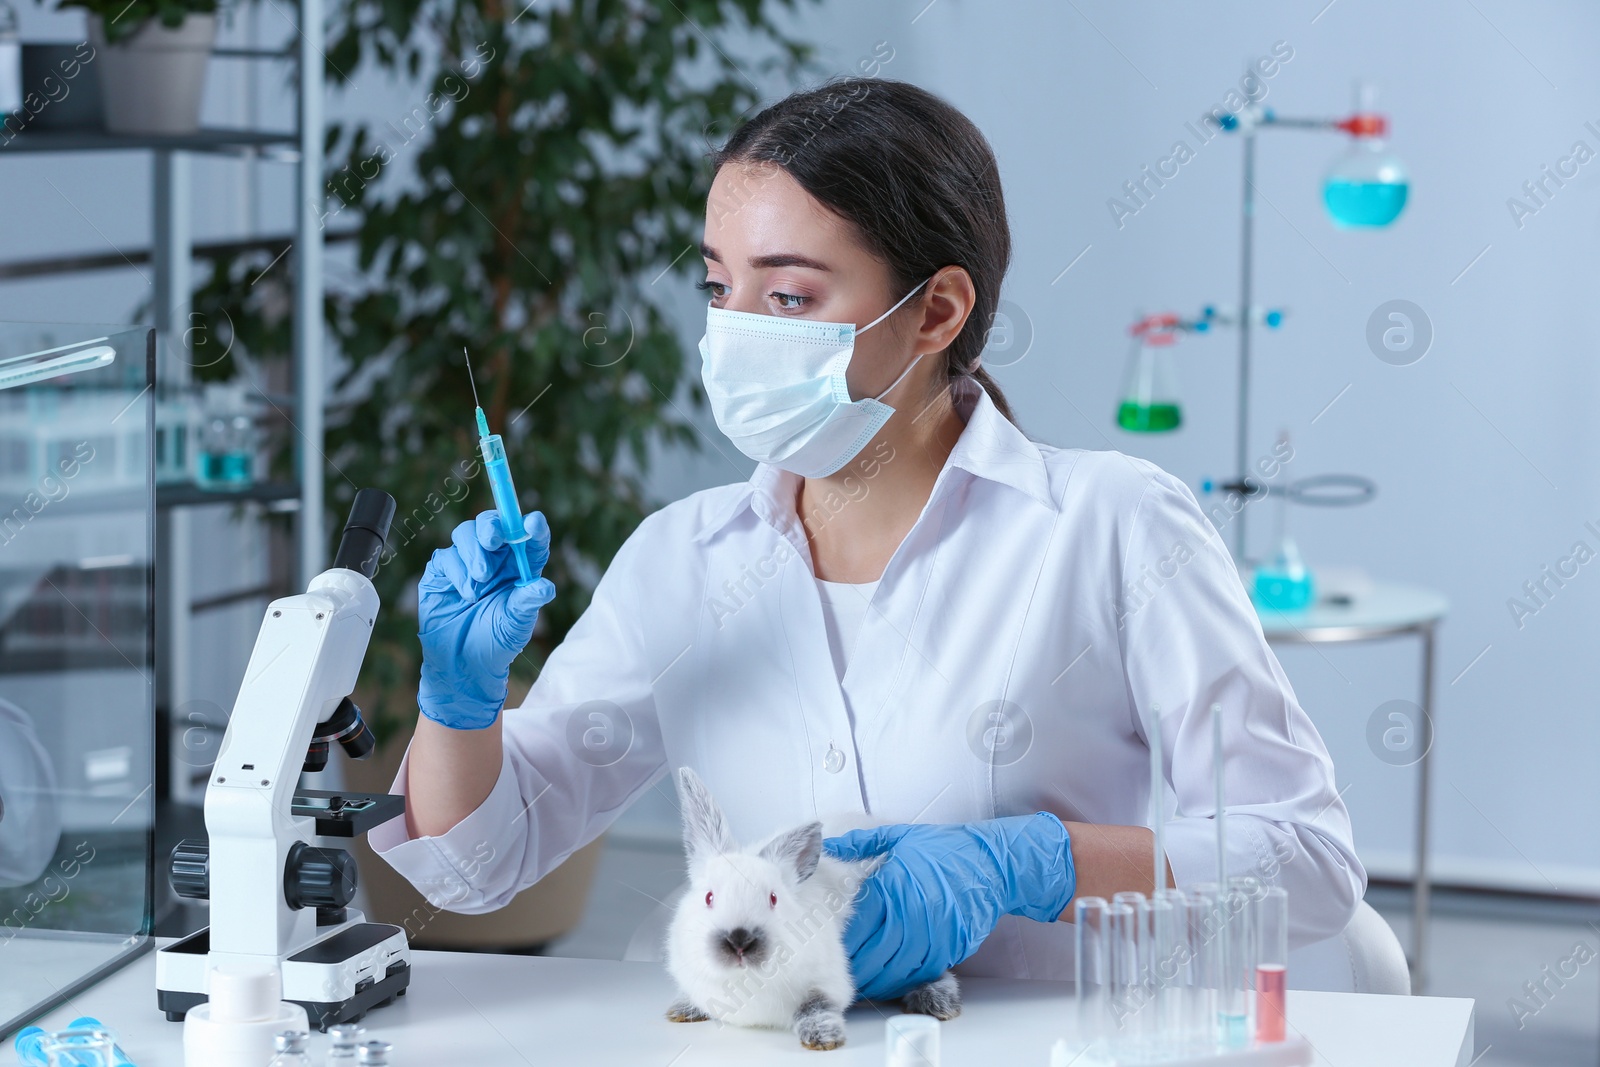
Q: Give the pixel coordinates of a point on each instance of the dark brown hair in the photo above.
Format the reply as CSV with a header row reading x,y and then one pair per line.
x,y
914,176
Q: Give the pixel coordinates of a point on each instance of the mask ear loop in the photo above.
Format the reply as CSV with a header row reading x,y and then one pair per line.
x,y
885,315
897,307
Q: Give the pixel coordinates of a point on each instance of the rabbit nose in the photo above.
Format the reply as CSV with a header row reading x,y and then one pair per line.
x,y
739,940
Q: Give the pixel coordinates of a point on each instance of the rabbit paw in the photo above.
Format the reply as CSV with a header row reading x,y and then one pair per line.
x,y
819,1022
940,998
684,1012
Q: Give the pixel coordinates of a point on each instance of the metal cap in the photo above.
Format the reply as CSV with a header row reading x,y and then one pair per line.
x,y
374,1053
290,1041
346,1035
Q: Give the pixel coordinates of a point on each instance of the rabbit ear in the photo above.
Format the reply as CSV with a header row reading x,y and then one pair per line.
x,y
705,831
799,849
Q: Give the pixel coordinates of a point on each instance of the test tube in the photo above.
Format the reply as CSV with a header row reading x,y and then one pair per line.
x,y
1168,966
1202,931
1122,989
1272,966
1238,965
1091,971
1134,1014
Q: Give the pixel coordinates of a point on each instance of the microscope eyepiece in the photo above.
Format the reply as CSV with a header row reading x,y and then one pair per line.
x,y
365,532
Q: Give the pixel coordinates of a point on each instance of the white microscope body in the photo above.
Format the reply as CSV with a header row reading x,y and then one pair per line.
x,y
277,899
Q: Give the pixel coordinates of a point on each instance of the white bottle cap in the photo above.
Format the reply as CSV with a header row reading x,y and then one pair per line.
x,y
911,1041
242,992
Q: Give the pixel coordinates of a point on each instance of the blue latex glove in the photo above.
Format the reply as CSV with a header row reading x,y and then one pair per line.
x,y
473,620
943,888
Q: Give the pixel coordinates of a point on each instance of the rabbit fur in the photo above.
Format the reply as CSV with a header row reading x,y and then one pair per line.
x,y
758,938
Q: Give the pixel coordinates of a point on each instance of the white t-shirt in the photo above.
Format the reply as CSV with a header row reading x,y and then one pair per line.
x,y
844,605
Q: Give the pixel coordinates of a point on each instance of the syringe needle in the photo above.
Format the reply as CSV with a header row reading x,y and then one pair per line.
x,y
470,380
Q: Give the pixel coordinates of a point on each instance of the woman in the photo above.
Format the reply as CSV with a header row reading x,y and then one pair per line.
x,y
910,614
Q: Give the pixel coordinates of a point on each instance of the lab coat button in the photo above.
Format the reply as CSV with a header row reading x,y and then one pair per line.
x,y
833,762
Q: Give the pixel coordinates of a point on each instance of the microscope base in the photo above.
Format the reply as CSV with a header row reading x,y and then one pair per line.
x,y
339,978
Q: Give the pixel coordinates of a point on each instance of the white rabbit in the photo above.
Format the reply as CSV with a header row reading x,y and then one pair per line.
x,y
758,938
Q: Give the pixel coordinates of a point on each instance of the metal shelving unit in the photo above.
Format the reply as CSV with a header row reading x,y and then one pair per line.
x,y
172,256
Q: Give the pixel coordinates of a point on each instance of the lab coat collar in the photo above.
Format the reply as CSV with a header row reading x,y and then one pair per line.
x,y
991,447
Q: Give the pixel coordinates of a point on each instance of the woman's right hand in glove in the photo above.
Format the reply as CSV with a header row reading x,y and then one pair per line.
x,y
473,620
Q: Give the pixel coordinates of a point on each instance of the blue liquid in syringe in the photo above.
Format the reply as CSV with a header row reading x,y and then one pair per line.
x,y
505,498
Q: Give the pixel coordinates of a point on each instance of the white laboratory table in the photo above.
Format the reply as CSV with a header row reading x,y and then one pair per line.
x,y
488,1011
1383,610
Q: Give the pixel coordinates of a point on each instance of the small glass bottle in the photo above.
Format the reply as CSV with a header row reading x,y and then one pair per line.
x,y
227,439
290,1049
374,1054
1284,582
343,1038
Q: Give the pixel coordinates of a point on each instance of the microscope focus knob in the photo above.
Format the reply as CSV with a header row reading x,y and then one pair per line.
x,y
190,869
318,877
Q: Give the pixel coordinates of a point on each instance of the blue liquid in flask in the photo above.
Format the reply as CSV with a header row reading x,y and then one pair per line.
x,y
1364,203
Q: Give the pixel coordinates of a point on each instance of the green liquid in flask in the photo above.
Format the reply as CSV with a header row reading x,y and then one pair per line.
x,y
1148,418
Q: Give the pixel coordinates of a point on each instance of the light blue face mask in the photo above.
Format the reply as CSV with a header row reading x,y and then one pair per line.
x,y
777,388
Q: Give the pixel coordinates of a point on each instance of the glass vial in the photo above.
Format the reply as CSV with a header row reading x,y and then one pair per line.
x,y
374,1054
911,1041
342,1041
290,1049
1272,966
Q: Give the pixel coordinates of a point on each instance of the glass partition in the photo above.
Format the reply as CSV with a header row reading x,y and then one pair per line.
x,y
77,522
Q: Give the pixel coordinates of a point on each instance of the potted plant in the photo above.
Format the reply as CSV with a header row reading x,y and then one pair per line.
x,y
152,56
551,183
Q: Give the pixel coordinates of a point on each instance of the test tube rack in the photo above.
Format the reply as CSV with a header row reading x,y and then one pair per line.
x,y
1294,1052
1183,977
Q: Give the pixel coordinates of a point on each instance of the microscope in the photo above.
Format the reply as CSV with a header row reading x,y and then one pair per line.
x,y
278,898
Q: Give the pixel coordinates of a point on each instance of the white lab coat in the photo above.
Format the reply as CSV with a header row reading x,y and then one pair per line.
x,y
30,819
1045,600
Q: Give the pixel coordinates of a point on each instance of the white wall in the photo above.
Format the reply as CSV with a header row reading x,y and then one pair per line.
x,y
1484,451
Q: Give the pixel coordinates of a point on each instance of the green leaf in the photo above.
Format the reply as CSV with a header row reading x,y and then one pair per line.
x,y
536,208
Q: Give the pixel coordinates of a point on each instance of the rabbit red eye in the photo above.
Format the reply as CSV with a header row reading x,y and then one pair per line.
x,y
708,898
773,897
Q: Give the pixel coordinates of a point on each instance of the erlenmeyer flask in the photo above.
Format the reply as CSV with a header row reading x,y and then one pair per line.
x,y
1367,186
1283,583
1150,389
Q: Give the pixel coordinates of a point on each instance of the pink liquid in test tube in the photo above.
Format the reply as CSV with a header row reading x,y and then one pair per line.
x,y
1272,981
1272,971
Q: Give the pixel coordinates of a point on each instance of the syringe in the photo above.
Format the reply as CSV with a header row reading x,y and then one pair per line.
x,y
505,494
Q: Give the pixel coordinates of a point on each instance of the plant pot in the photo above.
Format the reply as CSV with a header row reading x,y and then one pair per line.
x,y
539,914
151,82
65,80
